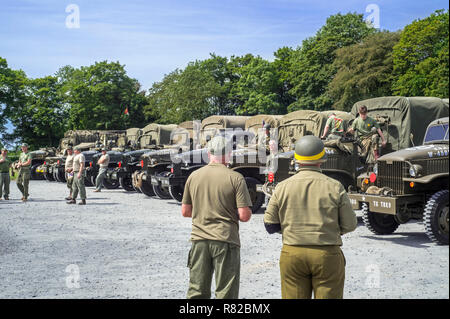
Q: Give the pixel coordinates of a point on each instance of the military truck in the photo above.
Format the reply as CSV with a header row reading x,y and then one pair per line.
x,y
174,177
37,159
53,166
155,161
250,160
409,184
400,119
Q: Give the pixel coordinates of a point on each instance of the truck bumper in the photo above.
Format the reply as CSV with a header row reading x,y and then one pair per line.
x,y
381,204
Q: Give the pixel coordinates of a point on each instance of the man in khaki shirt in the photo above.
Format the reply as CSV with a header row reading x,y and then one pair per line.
x,y
78,178
311,211
69,170
216,198
103,162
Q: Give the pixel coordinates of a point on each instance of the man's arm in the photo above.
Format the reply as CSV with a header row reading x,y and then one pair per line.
x,y
383,140
347,217
245,213
186,210
325,132
271,218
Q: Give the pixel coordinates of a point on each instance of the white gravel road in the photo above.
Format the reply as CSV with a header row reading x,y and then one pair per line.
x,y
127,245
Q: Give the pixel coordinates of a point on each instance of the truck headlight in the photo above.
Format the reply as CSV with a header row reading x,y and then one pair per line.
x,y
415,170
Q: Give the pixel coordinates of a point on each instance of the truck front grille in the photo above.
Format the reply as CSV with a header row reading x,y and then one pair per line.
x,y
391,175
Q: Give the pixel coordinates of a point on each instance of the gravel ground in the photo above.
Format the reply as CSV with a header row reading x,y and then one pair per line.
x,y
127,245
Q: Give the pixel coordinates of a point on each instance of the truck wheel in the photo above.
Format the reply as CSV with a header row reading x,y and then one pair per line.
x,y
126,183
49,177
147,189
256,197
435,217
380,224
161,192
61,175
90,180
111,184
176,192
55,175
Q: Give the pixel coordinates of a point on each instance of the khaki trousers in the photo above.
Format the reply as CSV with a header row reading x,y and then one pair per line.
x,y
23,180
308,269
78,186
207,257
4,184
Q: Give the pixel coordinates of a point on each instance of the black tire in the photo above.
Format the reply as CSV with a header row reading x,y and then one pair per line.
x,y
176,192
55,175
343,180
380,224
126,183
111,184
147,189
256,197
435,217
90,180
161,192
61,175
49,177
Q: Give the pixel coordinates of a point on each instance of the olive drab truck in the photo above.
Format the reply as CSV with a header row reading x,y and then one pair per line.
x,y
409,184
250,160
396,116
155,162
185,163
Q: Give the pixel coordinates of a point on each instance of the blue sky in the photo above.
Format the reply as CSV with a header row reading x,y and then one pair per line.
x,y
152,38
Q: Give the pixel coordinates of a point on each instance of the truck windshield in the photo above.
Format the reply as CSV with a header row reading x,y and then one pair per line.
x,y
436,133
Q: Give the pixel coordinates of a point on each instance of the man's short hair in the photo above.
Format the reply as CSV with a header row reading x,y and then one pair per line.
x,y
362,109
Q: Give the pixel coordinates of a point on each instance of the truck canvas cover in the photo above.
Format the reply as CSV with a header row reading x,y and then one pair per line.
x,y
156,134
211,124
297,124
404,116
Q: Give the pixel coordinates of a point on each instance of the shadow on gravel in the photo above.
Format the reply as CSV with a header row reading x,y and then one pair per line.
x,y
99,204
418,240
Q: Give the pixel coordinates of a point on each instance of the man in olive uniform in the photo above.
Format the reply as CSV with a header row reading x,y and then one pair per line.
x,y
24,166
311,211
69,170
5,164
216,198
103,162
334,126
364,126
78,178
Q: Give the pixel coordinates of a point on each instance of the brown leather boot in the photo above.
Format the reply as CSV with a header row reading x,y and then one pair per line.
x,y
83,202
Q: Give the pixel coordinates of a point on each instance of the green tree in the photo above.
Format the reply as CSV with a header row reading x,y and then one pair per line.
x,y
312,66
99,94
364,70
258,88
421,58
12,92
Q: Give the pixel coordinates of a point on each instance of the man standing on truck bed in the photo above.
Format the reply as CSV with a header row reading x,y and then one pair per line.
x,y
364,126
216,198
312,211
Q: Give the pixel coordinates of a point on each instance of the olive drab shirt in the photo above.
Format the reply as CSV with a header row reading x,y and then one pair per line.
x,y
312,209
335,125
23,158
364,127
69,162
4,164
77,161
215,193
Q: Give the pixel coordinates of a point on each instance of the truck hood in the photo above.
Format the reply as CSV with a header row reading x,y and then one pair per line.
x,y
417,152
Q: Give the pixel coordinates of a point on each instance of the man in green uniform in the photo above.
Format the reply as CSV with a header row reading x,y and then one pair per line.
x,y
78,178
69,170
364,126
103,162
311,211
334,126
5,164
24,167
216,198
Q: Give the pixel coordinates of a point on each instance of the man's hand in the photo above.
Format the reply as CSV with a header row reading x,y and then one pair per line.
x,y
186,210
79,175
383,143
